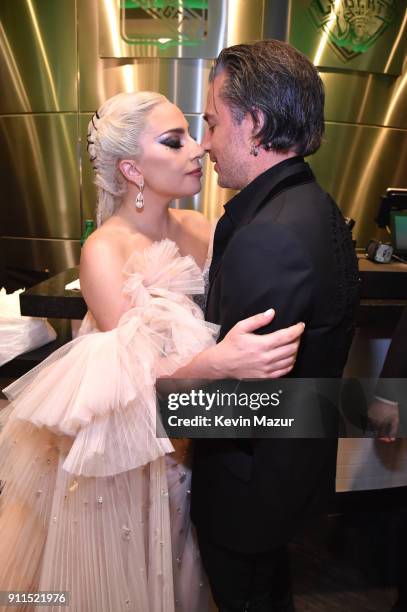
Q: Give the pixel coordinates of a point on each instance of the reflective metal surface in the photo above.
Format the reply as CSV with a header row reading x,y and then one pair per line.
x,y
227,22
38,56
355,165
39,176
183,82
351,34
373,99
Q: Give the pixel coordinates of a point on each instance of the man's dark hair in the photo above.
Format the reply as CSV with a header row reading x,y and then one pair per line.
x,y
280,88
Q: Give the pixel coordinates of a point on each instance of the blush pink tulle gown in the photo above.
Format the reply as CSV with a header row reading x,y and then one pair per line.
x,y
93,502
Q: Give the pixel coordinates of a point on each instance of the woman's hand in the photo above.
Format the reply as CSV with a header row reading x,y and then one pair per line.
x,y
243,354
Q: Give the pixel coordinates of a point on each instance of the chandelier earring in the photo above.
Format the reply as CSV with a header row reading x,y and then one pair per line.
x,y
254,150
140,196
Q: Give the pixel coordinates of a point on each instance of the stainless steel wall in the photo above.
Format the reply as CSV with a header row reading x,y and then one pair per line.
x,y
365,145
60,60
40,212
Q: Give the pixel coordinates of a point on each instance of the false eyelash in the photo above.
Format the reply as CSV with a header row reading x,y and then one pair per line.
x,y
172,143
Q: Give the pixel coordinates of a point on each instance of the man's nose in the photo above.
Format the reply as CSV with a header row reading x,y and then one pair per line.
x,y
206,141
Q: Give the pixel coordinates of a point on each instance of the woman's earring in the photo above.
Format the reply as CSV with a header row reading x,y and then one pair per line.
x,y
254,150
140,196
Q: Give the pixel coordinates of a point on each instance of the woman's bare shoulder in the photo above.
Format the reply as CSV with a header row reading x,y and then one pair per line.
x,y
105,242
113,242
101,275
194,222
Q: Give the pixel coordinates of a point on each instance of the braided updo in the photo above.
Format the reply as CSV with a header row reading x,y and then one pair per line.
x,y
113,134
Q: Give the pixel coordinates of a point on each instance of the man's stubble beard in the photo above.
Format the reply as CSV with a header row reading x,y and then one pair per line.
x,y
233,178
234,173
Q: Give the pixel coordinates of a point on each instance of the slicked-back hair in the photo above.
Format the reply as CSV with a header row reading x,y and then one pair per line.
x,y
280,88
113,134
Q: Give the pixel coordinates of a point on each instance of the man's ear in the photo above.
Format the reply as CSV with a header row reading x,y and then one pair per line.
x,y
258,121
253,123
130,171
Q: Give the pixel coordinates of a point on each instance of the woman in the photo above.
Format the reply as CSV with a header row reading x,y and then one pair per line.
x,y
94,503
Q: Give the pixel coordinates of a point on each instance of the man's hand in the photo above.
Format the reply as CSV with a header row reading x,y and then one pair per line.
x,y
384,418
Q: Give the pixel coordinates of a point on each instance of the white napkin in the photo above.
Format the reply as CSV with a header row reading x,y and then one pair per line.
x,y
74,285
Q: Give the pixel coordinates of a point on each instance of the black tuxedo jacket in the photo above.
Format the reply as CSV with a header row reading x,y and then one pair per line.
x,y
281,243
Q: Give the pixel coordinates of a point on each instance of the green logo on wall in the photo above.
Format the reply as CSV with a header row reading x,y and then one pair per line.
x,y
352,26
164,23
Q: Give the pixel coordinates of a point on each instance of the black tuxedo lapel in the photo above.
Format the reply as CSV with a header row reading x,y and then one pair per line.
x,y
245,206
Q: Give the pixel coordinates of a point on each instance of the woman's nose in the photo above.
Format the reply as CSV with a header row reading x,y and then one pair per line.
x,y
198,150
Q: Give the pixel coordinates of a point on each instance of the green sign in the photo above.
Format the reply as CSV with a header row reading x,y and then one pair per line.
x,y
352,26
164,23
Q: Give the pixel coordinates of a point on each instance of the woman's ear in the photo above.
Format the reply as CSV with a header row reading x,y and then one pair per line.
x,y
130,171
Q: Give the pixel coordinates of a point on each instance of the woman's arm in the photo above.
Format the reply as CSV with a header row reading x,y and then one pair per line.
x,y
243,354
102,280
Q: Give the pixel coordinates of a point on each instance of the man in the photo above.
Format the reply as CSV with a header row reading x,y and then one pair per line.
x,y
282,243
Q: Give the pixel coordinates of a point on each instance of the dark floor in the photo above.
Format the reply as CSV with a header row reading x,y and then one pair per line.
x,y
348,563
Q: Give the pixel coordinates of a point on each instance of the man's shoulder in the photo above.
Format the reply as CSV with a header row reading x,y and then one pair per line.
x,y
300,207
261,237
305,194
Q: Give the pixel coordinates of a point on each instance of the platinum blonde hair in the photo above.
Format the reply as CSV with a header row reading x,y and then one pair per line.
x,y
113,134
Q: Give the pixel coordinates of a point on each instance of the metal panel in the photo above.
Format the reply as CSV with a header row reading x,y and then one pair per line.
x,y
366,98
228,22
276,19
351,34
355,165
183,81
38,60
39,176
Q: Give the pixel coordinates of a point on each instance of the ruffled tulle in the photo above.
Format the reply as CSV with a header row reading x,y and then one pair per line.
x,y
100,388
85,504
